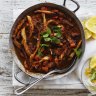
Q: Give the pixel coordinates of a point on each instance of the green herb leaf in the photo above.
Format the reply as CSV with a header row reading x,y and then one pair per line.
x,y
39,53
93,76
56,28
44,45
58,31
55,40
78,52
93,70
58,35
45,35
47,39
48,30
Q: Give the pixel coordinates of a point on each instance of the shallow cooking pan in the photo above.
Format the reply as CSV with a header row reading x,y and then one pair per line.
x,y
63,9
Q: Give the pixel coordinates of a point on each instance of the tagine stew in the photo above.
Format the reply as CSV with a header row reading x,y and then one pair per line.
x,y
47,39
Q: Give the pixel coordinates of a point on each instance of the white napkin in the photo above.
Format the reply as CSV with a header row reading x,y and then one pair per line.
x,y
69,82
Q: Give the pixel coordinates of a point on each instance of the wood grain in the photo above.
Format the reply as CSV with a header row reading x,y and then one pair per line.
x,y
6,21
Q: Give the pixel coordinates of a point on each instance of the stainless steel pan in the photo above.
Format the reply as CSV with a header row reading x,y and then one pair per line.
x,y
63,9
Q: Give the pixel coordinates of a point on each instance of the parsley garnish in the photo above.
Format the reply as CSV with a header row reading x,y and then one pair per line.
x,y
39,52
46,36
47,39
54,39
44,45
58,31
46,33
78,52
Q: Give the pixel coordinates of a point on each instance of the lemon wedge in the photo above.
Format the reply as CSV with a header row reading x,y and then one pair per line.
x,y
93,36
87,72
93,62
88,34
91,24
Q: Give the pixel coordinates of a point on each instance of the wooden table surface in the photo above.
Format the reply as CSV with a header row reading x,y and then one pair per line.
x,y
6,21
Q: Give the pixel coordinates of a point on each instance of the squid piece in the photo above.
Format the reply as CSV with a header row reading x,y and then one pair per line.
x,y
72,55
17,44
31,25
63,54
44,20
46,58
51,51
44,11
18,35
23,34
37,47
79,43
26,47
19,26
51,21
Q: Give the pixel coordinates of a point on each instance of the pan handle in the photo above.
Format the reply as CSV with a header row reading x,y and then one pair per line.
x,y
78,6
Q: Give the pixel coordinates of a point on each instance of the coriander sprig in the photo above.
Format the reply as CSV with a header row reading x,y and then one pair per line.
x,y
58,31
54,39
46,36
78,52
